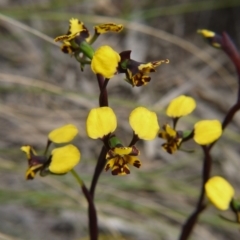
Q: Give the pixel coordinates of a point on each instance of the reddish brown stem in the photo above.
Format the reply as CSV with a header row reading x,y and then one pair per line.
x,y
92,214
103,97
191,221
98,169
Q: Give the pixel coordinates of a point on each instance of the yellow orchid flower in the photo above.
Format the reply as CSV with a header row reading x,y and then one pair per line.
x,y
213,38
172,137
60,161
137,73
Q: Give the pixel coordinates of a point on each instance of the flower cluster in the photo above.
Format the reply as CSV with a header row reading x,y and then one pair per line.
x,y
101,124
105,60
60,161
204,132
102,121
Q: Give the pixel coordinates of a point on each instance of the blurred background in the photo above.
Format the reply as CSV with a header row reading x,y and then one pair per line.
x,y
41,89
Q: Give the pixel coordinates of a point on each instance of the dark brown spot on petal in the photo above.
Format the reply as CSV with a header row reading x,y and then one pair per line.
x,y
160,135
67,49
107,167
126,170
140,80
110,154
168,148
137,164
116,171
135,151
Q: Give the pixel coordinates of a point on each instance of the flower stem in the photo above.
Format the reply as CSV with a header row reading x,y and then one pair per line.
x,y
134,140
47,147
103,101
192,219
77,177
98,169
230,49
92,213
103,97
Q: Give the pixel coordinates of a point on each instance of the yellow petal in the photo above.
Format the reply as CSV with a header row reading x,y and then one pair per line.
x,y
206,33
100,122
64,159
122,150
105,61
108,27
63,134
144,123
181,106
207,131
219,192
